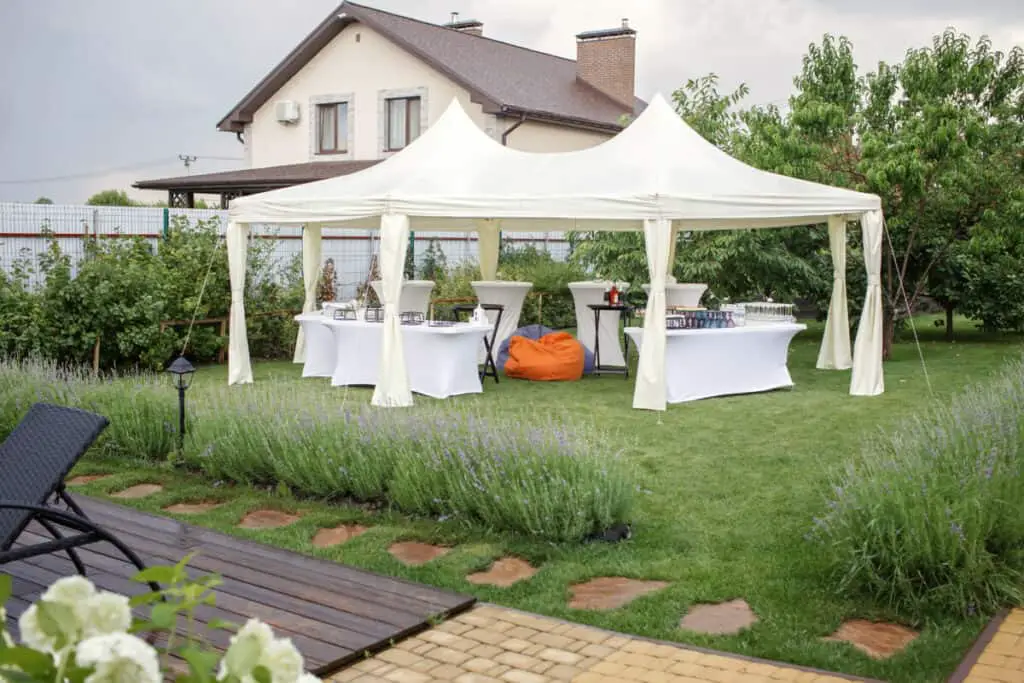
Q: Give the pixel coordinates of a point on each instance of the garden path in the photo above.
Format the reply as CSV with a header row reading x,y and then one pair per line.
x,y
492,644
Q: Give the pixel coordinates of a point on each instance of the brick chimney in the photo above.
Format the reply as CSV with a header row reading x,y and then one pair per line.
x,y
607,60
470,26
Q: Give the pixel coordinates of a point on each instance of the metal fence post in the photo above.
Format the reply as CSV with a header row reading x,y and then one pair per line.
x,y
167,222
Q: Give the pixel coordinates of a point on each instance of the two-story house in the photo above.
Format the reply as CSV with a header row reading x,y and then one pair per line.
x,y
365,83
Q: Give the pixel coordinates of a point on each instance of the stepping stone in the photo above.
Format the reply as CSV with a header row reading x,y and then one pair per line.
x,y
139,491
413,553
85,479
611,592
267,519
876,640
504,573
191,508
721,619
326,538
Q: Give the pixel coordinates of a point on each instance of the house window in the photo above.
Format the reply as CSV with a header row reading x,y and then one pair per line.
x,y
332,128
403,122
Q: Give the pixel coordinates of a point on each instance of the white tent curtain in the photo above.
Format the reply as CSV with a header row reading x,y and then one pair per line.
x,y
672,254
835,344
489,233
392,388
239,367
651,392
312,251
867,377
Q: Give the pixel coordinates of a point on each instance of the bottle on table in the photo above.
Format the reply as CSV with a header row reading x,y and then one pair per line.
x,y
613,296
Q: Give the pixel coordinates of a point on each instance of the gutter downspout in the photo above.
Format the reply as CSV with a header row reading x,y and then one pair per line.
x,y
508,131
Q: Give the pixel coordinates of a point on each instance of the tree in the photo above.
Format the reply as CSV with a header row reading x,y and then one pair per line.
x,y
43,200
937,137
111,198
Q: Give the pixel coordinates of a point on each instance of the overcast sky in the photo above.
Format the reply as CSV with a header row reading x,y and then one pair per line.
x,y
99,94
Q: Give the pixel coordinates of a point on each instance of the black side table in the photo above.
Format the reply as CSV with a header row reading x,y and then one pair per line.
x,y
600,369
490,368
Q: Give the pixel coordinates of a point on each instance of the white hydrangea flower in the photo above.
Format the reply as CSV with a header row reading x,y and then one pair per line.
x,y
32,634
70,591
119,658
253,646
245,648
282,660
106,613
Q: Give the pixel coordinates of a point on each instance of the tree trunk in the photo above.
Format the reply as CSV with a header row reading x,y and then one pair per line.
x,y
949,322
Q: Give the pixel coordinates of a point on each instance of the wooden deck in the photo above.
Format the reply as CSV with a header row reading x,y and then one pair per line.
x,y
333,613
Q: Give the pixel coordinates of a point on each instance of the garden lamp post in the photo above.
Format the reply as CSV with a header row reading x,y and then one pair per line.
x,y
181,371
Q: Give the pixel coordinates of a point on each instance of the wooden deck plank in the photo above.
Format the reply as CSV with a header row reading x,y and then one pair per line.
x,y
333,613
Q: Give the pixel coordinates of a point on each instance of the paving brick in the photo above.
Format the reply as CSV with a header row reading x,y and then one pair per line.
x,y
498,670
561,672
523,677
407,676
591,635
542,667
516,660
442,637
398,657
486,636
447,672
596,651
424,649
487,651
446,655
453,627
559,656
479,665
522,632
425,665
476,620
515,645
476,678
616,642
552,640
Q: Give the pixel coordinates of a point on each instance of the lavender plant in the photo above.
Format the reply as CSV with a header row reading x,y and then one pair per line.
x,y
930,519
543,480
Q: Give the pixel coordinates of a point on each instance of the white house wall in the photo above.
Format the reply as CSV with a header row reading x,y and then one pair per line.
x,y
543,137
363,67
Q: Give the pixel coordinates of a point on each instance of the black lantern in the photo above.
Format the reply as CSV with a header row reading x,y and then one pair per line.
x,y
181,370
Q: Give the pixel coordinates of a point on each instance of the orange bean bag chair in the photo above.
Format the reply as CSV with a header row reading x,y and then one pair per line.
x,y
554,357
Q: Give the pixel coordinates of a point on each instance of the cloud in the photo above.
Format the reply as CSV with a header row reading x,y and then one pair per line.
x,y
112,83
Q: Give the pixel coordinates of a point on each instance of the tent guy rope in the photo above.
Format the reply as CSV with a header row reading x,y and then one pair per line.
x,y
906,302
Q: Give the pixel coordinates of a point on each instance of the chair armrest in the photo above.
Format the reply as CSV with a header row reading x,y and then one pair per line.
x,y
66,519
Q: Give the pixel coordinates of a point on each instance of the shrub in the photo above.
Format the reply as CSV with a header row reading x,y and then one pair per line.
x,y
930,518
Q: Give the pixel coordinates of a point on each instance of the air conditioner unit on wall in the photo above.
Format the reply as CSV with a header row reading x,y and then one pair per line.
x,y
287,111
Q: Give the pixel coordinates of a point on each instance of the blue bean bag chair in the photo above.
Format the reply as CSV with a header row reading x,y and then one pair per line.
x,y
536,332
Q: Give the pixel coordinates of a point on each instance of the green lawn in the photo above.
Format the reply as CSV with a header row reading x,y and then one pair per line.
x,y
730,484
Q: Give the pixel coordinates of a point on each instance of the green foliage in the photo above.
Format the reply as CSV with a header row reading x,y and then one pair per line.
x,y
124,288
111,198
549,277
43,200
433,264
929,519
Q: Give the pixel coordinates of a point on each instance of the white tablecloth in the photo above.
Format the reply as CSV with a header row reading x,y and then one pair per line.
x,y
441,361
682,294
321,352
510,295
584,294
722,362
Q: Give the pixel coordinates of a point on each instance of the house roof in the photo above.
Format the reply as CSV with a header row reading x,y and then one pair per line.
x,y
251,180
504,78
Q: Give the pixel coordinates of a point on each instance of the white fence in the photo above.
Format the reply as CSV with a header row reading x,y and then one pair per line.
x,y
24,230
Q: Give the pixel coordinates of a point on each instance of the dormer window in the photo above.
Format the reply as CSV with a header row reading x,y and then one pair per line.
x,y
403,122
332,128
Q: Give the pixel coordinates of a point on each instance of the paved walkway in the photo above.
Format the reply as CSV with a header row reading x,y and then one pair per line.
x,y
1002,659
492,644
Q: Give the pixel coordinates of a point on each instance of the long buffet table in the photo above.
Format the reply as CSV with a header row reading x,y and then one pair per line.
x,y
725,361
441,361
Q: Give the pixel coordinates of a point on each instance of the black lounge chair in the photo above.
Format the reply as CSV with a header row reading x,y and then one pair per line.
x,y
34,459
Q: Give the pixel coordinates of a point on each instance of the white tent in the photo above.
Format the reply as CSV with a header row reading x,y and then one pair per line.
x,y
658,176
